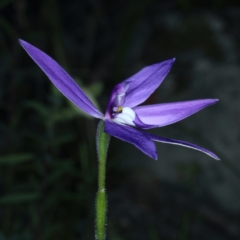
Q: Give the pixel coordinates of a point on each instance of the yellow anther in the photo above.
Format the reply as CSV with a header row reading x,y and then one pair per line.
x,y
119,109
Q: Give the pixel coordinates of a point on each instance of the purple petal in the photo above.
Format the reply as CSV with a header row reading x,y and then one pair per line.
x,y
139,139
159,115
63,82
138,123
183,144
144,83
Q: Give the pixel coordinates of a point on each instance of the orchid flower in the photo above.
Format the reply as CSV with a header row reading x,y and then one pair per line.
x,y
124,119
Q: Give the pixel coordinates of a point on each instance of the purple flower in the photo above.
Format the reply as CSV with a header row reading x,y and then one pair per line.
x,y
124,119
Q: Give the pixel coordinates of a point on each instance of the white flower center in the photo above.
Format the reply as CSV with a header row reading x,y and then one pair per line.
x,y
126,116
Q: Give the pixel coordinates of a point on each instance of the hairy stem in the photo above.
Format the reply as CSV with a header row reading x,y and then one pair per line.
x,y
101,201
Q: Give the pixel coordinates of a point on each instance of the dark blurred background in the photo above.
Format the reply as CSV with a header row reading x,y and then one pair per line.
x,y
48,164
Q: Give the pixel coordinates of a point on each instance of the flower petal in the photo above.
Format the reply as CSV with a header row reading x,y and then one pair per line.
x,y
144,83
160,115
138,123
139,139
63,82
183,144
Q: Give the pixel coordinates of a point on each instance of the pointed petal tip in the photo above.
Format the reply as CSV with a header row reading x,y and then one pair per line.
x,y
154,155
212,101
24,44
21,41
170,61
212,155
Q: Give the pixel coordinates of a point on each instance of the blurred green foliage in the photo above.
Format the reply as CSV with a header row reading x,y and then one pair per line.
x,y
46,190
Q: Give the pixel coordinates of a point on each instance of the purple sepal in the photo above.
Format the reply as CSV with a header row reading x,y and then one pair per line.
x,y
60,78
159,115
183,144
131,135
144,83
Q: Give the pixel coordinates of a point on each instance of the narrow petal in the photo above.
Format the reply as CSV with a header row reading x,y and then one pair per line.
x,y
60,78
159,115
144,83
131,135
183,144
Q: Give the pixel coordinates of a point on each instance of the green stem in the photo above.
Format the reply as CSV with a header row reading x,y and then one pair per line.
x,y
101,202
